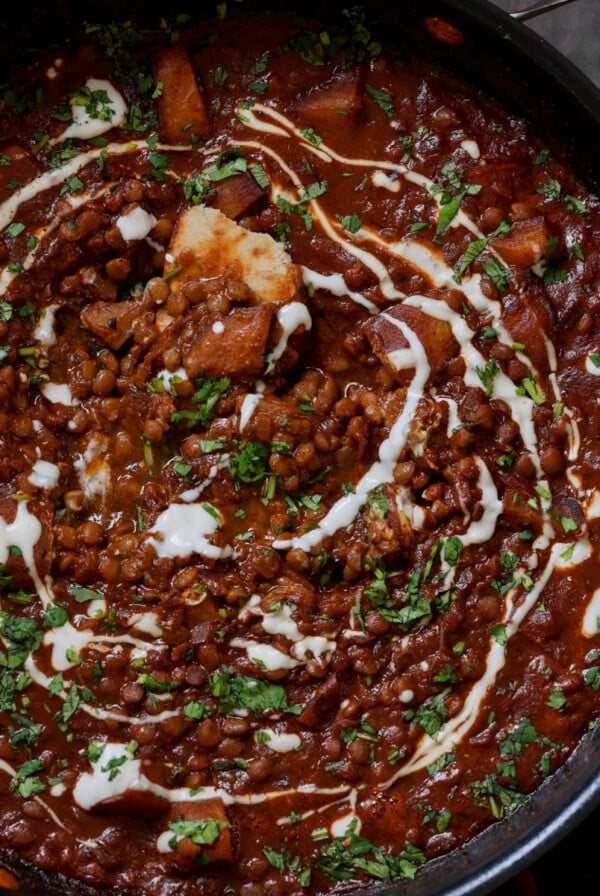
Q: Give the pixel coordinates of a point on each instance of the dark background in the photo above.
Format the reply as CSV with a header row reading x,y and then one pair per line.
x,y
575,31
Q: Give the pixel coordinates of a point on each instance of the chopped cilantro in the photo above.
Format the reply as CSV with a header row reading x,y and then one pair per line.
x,y
575,205
500,800
529,386
453,548
499,634
239,692
83,595
351,223
488,374
430,715
13,230
55,616
494,270
260,86
383,99
97,103
312,137
250,465
343,856
550,190
204,401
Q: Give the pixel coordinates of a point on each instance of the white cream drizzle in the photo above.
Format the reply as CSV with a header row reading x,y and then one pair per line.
x,y
85,126
68,637
589,364
24,533
383,180
136,224
170,378
521,406
148,623
97,712
455,729
290,318
351,797
326,153
278,741
344,511
9,770
414,512
74,201
265,655
336,285
592,510
591,620
57,176
94,788
59,393
93,467
471,147
44,474
249,405
575,554
481,530
44,332
387,288
183,529
281,622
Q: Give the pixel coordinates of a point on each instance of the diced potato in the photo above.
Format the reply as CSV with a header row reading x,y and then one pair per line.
x,y
519,513
525,244
8,881
187,852
340,97
181,110
236,351
238,196
527,320
322,702
505,179
386,339
111,321
206,244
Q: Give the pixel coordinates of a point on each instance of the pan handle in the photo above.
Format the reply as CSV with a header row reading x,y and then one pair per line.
x,y
539,8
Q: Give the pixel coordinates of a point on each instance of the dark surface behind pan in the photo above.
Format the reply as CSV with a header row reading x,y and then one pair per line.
x,y
530,78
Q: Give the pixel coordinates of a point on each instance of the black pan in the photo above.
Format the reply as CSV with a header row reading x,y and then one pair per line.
x,y
506,60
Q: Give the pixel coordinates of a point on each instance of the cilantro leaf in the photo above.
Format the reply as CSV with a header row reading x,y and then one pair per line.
x,y
383,99
240,692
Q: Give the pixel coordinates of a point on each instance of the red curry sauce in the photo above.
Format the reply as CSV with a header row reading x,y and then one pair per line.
x,y
298,507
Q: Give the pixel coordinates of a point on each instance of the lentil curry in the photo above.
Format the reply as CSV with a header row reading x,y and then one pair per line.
x,y
298,518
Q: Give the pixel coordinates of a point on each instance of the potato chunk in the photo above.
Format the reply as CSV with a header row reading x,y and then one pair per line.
x,y
181,109
529,319
111,321
238,196
208,834
237,350
340,96
387,339
525,244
